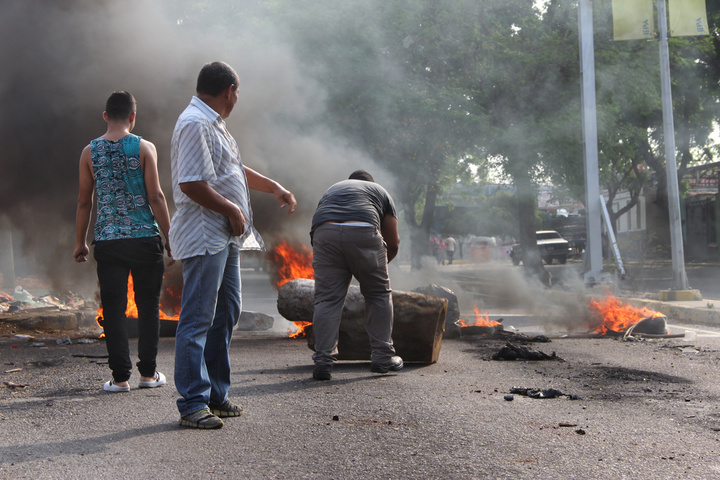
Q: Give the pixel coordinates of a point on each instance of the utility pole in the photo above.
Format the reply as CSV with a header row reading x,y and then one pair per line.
x,y
679,280
593,247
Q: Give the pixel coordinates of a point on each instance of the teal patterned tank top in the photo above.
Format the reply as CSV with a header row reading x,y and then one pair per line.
x,y
123,210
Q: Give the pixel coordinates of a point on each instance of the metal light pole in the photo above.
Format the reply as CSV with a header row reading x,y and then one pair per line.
x,y
679,280
593,247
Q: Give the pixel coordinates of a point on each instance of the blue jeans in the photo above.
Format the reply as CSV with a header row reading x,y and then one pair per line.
x,y
211,306
143,257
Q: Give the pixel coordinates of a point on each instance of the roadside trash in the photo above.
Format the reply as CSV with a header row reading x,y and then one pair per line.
x,y
22,295
16,385
64,341
517,352
24,300
545,393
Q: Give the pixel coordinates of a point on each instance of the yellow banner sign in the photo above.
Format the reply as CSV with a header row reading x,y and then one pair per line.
x,y
687,17
633,19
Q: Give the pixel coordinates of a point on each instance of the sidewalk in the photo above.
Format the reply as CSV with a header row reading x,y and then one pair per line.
x,y
702,312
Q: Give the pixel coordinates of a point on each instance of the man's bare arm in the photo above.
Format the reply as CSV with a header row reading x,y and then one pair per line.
x,y
84,206
389,230
156,197
262,183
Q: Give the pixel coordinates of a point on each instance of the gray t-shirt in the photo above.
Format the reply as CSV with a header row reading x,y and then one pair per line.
x,y
354,200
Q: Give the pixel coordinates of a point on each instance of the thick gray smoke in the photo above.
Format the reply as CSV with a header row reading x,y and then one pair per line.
x,y
60,62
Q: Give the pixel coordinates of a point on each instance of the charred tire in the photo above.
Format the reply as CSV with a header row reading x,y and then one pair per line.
x,y
516,261
562,259
548,260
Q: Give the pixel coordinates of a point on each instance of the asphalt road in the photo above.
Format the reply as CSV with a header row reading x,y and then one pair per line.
x,y
639,410
642,410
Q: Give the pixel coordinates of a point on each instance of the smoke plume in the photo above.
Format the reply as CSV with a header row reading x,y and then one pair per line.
x,y
61,60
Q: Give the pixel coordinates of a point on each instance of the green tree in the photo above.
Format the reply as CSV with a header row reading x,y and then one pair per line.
x,y
526,90
391,73
430,89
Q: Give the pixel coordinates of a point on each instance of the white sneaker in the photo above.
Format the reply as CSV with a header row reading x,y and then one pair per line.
x,y
158,382
111,387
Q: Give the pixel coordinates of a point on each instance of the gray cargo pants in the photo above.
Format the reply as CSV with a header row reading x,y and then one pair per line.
x,y
339,253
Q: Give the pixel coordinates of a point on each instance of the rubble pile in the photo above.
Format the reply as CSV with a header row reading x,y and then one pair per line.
x,y
22,300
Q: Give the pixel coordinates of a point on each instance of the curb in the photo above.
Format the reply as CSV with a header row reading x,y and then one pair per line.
x,y
679,313
84,320
48,321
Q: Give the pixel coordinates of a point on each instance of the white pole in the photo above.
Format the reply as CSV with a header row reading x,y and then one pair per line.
x,y
611,237
679,280
593,247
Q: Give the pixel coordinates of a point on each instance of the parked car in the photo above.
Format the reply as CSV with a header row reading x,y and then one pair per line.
x,y
551,244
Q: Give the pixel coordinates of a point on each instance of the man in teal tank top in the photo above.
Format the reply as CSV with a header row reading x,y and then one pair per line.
x,y
121,169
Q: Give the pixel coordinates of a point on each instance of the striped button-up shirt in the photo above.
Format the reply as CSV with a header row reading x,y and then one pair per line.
x,y
203,150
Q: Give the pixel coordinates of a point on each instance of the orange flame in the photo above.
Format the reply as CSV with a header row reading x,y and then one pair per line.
x,y
480,320
300,332
291,261
131,311
616,316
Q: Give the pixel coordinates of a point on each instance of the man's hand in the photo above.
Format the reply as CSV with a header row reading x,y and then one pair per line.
x,y
237,222
285,197
81,252
171,261
205,196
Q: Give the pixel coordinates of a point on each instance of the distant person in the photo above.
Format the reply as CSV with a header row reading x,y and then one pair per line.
x,y
450,245
441,252
354,233
122,169
213,222
435,248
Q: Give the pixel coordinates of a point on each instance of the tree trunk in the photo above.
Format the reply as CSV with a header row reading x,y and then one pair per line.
x,y
7,262
526,197
420,235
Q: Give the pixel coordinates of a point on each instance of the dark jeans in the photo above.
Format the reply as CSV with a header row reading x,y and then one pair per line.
x,y
143,258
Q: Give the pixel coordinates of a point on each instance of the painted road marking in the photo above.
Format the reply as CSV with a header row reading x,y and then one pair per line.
x,y
699,331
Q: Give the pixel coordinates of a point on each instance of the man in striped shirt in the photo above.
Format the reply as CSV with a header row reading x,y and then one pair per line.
x,y
213,222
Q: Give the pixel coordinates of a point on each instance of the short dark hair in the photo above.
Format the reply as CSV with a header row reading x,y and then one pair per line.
x,y
120,105
361,175
215,77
